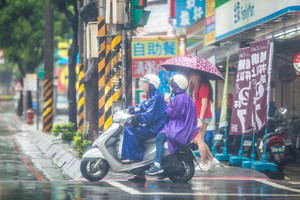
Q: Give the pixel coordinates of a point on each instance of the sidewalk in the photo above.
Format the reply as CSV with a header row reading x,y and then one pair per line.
x,y
62,154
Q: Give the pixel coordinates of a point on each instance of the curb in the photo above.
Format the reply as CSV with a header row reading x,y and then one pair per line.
x,y
55,150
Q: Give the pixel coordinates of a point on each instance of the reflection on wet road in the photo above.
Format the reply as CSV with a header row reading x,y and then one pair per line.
x,y
12,166
213,188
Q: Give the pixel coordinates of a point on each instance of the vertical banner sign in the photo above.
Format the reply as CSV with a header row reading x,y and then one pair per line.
x,y
223,117
212,124
261,66
2,61
210,27
241,95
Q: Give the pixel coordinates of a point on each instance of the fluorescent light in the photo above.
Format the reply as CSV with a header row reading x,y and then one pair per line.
x,y
279,34
291,30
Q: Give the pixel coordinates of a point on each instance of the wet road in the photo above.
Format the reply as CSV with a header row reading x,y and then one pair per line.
x,y
152,189
24,175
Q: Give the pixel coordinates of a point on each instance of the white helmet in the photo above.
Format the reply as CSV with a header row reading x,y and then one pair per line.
x,y
151,78
180,80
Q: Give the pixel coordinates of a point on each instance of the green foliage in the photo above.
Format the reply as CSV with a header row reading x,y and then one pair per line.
x,y
66,130
80,143
22,32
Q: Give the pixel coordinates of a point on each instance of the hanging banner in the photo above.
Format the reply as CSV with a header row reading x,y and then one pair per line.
x,y
241,95
210,25
212,124
2,61
261,66
223,116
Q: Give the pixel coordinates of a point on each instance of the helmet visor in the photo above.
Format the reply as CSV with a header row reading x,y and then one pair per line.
x,y
143,81
170,80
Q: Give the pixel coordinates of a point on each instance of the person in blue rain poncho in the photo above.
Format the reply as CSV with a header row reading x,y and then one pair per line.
x,y
182,124
149,118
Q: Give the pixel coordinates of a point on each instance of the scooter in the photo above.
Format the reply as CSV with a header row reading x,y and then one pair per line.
x,y
279,147
106,154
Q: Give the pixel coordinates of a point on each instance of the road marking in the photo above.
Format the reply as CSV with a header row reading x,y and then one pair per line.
x,y
294,183
261,180
123,187
26,161
277,185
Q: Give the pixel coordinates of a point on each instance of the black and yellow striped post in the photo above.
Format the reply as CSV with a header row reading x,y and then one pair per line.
x,y
108,86
48,105
81,96
117,68
101,72
113,89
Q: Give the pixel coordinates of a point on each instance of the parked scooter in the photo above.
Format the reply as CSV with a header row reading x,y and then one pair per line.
x,y
233,142
279,147
106,152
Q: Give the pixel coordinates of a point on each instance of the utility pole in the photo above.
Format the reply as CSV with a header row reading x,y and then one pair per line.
x,y
48,60
101,64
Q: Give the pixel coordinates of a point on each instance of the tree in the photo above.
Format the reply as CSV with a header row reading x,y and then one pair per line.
x,y
89,13
70,10
22,34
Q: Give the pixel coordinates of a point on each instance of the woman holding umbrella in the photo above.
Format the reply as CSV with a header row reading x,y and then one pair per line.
x,y
202,96
202,70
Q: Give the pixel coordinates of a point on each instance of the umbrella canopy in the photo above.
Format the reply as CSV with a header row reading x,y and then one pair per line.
x,y
192,64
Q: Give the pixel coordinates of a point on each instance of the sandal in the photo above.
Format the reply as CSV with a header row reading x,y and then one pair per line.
x,y
127,161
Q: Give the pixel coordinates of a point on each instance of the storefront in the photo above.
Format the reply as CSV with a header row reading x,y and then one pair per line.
x,y
239,22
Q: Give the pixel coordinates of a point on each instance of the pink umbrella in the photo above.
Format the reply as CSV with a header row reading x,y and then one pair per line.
x,y
192,64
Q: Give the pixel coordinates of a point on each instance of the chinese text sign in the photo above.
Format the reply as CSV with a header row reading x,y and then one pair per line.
x,y
189,11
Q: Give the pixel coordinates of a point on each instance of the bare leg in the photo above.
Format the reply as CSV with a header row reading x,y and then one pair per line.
x,y
202,146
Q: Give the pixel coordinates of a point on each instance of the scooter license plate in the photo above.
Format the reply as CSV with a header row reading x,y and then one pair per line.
x,y
277,149
218,137
247,143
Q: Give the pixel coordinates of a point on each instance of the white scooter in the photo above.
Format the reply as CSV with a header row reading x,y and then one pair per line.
x,y
106,153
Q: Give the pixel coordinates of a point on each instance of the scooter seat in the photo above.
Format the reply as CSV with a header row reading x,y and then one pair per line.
x,y
150,141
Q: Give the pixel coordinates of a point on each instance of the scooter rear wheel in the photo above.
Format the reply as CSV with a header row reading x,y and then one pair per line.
x,y
93,171
189,171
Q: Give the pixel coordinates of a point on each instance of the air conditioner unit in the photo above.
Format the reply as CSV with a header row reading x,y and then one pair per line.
x,y
91,40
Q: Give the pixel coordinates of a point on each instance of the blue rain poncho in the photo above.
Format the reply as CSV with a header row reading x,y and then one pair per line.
x,y
182,125
152,118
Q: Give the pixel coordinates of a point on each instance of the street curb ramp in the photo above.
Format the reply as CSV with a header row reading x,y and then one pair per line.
x,y
67,161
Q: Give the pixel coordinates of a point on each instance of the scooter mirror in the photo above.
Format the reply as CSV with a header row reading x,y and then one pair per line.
x,y
282,111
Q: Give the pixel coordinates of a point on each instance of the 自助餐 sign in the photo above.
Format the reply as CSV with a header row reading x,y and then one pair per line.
x,y
147,54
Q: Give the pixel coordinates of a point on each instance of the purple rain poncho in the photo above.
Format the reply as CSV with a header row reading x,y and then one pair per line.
x,y
182,125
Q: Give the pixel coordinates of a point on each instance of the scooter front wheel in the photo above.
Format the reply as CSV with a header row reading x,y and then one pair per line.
x,y
94,169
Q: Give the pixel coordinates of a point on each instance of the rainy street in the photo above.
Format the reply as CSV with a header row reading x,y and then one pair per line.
x,y
149,99
25,173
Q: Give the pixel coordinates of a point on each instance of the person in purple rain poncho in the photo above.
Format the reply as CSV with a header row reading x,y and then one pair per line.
x,y
182,124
